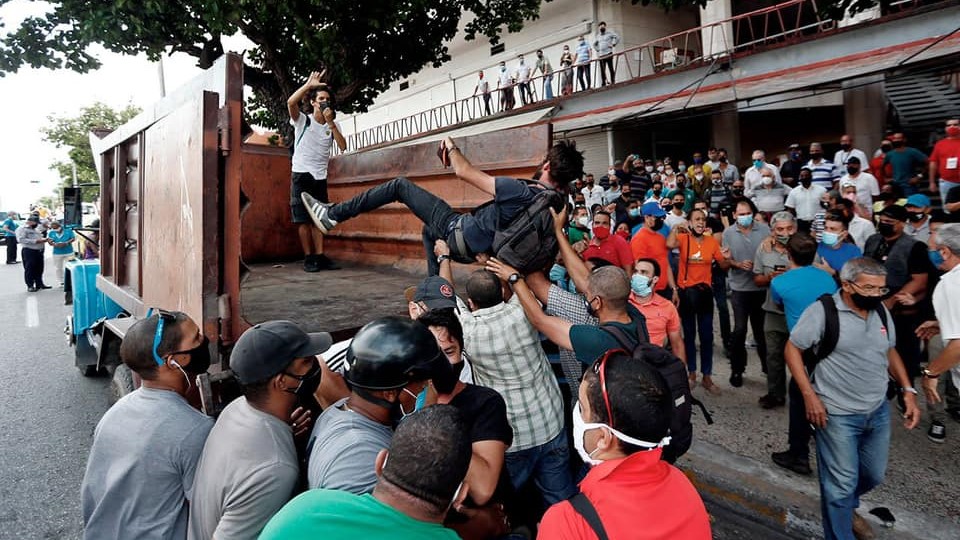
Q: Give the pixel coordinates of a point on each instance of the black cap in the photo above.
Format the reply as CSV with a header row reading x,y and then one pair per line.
x,y
853,159
895,211
435,292
268,348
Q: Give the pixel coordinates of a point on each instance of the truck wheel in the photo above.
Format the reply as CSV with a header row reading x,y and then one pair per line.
x,y
121,384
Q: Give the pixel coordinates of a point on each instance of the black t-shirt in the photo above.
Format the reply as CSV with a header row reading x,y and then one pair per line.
x,y
486,414
953,196
511,196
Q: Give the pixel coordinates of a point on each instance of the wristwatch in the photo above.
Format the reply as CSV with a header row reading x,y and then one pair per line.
x,y
514,277
442,258
926,373
909,389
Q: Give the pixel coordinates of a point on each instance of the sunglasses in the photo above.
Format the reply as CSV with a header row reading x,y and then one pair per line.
x,y
158,335
600,369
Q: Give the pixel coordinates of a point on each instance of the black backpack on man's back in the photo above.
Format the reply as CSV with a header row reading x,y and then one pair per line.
x,y
528,242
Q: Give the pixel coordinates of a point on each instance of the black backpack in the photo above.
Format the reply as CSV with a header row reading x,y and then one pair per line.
x,y
831,333
675,375
528,242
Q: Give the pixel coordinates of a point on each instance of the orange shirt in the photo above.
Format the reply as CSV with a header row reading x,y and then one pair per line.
x,y
696,260
648,244
638,497
661,315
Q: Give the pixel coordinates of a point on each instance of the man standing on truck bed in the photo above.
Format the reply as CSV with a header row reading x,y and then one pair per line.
x,y
313,135
468,235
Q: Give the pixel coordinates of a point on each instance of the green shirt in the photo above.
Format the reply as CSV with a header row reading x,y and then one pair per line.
x,y
324,513
590,342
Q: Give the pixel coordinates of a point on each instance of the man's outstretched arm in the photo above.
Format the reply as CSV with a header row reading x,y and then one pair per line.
x,y
467,172
556,329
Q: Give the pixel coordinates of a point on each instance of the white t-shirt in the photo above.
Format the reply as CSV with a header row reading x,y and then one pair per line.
x,y
753,180
841,157
523,73
311,151
867,187
946,304
504,78
806,201
592,196
860,229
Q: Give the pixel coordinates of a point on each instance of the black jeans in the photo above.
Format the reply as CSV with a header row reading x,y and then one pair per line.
x,y
583,71
908,344
32,266
434,212
747,305
606,63
11,249
720,299
798,436
526,96
486,103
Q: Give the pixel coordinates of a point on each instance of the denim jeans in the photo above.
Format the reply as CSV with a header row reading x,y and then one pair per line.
x,y
548,86
776,335
434,212
692,323
583,72
945,187
747,304
852,454
548,464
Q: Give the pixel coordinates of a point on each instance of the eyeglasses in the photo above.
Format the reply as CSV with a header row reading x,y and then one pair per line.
x,y
870,289
158,335
600,368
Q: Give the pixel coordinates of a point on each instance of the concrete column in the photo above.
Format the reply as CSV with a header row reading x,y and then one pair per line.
x,y
717,39
865,112
725,133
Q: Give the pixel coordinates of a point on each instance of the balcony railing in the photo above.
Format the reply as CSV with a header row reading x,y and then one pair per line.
x,y
785,23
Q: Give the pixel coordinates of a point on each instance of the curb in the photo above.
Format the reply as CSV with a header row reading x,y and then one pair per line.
x,y
774,499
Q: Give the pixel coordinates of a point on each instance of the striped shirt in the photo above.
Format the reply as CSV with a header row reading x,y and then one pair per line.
x,y
507,357
824,173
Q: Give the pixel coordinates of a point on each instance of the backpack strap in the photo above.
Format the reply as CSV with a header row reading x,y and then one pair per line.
x,y
582,505
304,132
831,334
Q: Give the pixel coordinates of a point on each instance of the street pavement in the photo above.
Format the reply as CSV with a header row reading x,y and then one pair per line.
x,y
48,411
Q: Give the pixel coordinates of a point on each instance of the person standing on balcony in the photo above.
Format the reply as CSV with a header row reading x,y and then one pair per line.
x,y
505,86
583,63
566,62
604,43
945,161
545,69
484,88
523,77
313,138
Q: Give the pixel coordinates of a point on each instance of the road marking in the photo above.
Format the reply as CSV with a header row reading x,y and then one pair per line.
x,y
33,312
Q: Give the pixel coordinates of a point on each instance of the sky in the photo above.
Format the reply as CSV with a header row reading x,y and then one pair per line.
x,y
29,96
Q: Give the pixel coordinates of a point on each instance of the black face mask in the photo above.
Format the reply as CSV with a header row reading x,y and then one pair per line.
x,y
825,205
737,192
657,223
805,182
816,155
723,159
590,311
917,217
657,192
886,230
853,170
897,144
678,205
845,147
867,303
309,382
199,358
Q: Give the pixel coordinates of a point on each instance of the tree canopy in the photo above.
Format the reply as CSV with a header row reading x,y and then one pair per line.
x,y
73,133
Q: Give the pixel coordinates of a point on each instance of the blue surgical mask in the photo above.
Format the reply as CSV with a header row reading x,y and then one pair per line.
x,y
745,221
829,238
758,163
558,273
640,285
935,257
634,212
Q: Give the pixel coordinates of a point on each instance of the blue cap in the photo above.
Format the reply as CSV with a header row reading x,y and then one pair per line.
x,y
652,209
919,200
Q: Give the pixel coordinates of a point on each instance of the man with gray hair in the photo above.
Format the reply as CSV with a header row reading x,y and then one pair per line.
x,y
844,394
752,177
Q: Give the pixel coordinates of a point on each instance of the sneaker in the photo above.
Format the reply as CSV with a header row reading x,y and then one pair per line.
x,y
937,432
861,528
792,463
771,402
31,289
319,213
325,263
43,287
310,264
736,380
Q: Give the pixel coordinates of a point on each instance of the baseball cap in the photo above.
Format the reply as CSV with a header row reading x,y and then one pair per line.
x,y
653,208
918,200
895,211
267,348
435,292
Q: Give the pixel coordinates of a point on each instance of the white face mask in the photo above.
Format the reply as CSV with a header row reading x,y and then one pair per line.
x,y
580,428
767,180
583,221
611,173
698,176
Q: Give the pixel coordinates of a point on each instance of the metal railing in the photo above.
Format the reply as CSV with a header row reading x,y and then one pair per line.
x,y
785,23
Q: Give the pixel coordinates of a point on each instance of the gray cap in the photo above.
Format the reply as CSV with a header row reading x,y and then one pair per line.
x,y
268,348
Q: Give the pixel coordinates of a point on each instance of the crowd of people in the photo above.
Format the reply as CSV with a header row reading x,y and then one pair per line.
x,y
451,423
590,58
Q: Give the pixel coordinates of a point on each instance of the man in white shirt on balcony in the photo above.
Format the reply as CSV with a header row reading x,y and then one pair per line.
x,y
523,77
505,86
604,43
483,87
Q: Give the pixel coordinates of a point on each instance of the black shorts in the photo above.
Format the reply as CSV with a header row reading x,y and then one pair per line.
x,y
302,182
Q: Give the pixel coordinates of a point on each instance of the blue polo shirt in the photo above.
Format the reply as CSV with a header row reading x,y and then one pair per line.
x,y
836,258
796,289
9,222
63,235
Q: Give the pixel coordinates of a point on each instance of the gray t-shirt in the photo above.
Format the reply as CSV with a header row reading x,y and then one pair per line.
x,y
743,247
765,262
853,379
248,471
343,449
141,467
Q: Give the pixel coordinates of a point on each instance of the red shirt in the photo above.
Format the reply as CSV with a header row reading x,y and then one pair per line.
x,y
648,244
946,154
613,249
638,497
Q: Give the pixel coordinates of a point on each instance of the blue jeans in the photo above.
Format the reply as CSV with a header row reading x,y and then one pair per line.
x,y
548,86
852,454
548,464
692,322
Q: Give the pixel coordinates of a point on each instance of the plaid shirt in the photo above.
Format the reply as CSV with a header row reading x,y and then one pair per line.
x,y
570,307
507,357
